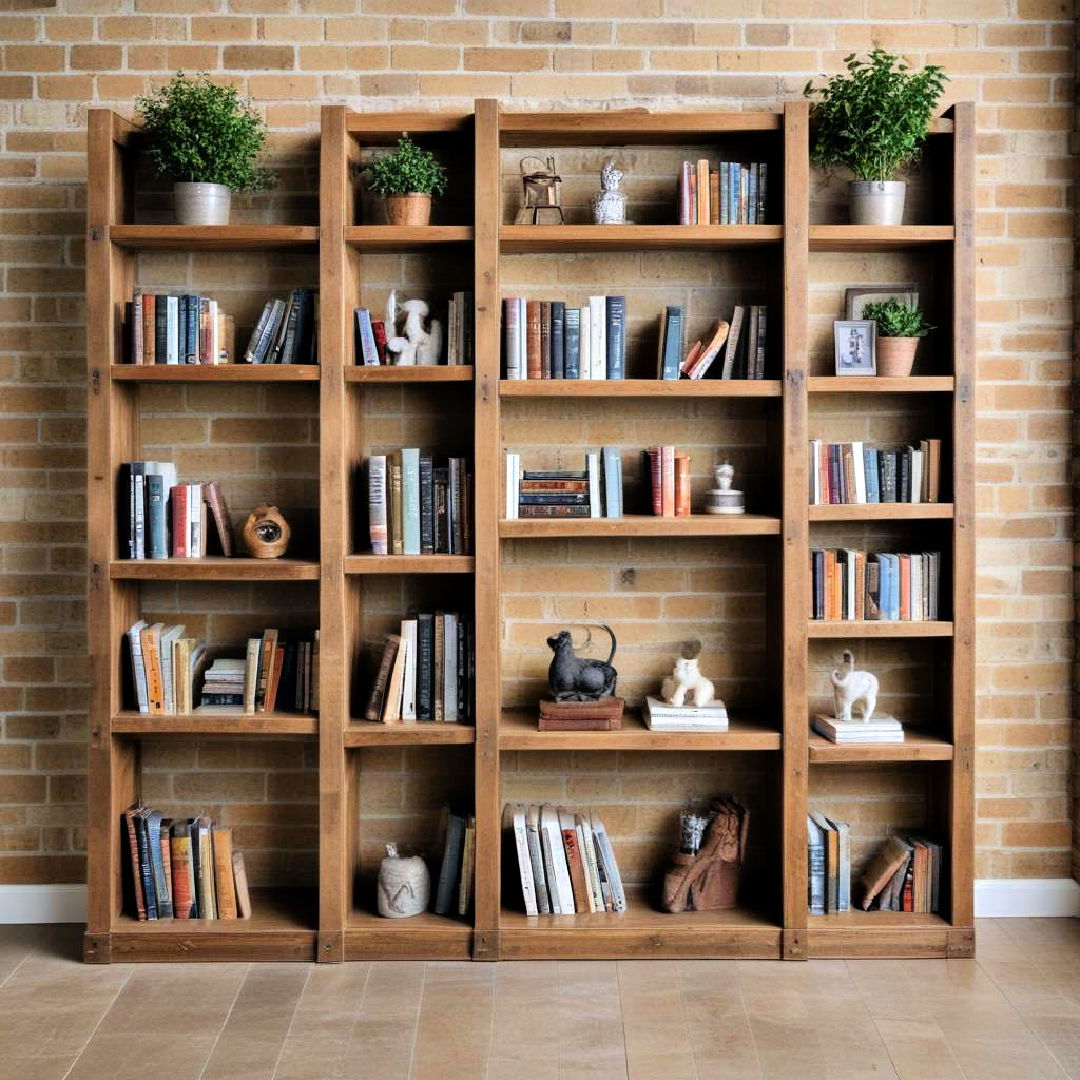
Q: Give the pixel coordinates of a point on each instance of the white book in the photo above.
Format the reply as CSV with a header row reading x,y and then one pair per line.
x,y
580,833
172,329
918,459
815,472
654,723
251,673
611,867
513,472
549,823
195,521
536,856
917,612
717,710
858,468
514,819
138,667
450,671
408,687
598,336
592,464
588,853
168,674
523,336
585,343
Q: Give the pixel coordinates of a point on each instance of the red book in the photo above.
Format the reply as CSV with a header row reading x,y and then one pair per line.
x,y
275,678
534,362
378,331
179,521
682,485
577,869
655,480
667,481
133,845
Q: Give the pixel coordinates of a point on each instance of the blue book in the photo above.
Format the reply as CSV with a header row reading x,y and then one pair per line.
x,y
410,499
572,343
672,353
733,192
615,335
193,310
815,868
182,328
892,611
558,321
369,354
157,865
870,460
155,509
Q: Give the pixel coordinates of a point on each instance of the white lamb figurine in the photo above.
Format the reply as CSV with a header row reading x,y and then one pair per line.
x,y
852,686
415,345
688,680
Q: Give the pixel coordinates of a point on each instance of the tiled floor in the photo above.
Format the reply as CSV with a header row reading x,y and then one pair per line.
x,y
1014,1014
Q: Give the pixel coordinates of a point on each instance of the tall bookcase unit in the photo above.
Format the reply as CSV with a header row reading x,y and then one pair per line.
x,y
770,737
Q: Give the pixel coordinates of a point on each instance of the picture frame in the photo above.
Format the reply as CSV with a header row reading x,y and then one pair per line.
x,y
854,342
856,298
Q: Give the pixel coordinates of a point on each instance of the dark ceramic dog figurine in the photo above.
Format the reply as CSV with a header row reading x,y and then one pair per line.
x,y
575,678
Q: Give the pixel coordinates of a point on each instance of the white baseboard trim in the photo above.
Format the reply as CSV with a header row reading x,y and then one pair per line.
x,y
995,898
1030,898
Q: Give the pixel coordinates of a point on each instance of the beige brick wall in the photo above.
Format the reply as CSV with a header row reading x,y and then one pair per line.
x,y
1014,57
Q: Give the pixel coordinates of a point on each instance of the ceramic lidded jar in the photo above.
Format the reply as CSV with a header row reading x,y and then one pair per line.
x,y
609,203
404,885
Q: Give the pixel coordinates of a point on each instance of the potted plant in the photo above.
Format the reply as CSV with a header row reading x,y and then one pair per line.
x,y
874,121
407,178
207,139
899,327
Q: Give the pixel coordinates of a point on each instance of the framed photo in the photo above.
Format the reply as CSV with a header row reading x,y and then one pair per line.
x,y
856,299
854,342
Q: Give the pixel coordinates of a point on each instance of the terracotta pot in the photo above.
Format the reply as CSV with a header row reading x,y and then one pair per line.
x,y
201,204
895,356
408,209
876,202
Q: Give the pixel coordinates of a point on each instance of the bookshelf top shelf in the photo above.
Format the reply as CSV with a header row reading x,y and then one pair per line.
x,y
406,237
628,127
870,384
214,568
230,725
661,388
878,237
917,746
642,525
215,237
156,373
527,239
384,129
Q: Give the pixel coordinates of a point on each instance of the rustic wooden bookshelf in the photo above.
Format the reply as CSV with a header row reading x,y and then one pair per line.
x,y
335,922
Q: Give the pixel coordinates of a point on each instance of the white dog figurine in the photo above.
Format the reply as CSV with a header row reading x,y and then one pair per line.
x,y
851,687
687,680
415,345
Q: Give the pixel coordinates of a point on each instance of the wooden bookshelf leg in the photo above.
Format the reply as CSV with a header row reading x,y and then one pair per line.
x,y
331,949
795,945
97,948
486,945
960,944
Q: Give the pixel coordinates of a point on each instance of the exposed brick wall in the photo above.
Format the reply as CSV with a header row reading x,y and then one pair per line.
x,y
1014,57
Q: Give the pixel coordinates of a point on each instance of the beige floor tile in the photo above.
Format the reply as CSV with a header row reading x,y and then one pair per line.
x,y
121,1057
918,1050
51,1067
454,1032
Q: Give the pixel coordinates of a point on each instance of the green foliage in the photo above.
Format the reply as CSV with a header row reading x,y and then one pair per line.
x,y
897,320
874,120
199,131
408,170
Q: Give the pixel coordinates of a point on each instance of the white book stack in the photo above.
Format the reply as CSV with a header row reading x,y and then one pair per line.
x,y
660,716
881,729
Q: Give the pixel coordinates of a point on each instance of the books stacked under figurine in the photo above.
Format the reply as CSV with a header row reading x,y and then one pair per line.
x,y
550,339
904,875
662,716
878,729
181,869
855,473
166,328
454,889
593,492
564,859
847,584
731,193
286,332
828,865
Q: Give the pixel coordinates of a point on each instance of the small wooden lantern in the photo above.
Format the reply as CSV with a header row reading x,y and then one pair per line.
x,y
542,187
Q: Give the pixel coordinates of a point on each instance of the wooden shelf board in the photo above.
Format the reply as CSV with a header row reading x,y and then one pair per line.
x,y
518,731
409,564
214,372
214,568
627,127
392,238
384,128
862,628
358,373
529,239
229,724
878,237
917,746
661,388
368,936
870,384
214,237
371,733
881,511
641,525
892,934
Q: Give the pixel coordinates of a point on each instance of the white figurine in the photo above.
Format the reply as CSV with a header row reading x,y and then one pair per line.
x,y
688,680
851,687
415,345
404,885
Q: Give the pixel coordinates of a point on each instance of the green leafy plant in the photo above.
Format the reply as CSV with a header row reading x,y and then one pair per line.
x,y
874,120
897,320
199,131
408,170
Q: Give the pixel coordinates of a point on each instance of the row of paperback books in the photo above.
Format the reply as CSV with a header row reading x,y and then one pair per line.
x,y
741,343
427,671
668,470
184,869
177,328
856,473
849,584
828,880
286,332
565,861
905,875
593,492
454,888
160,518
549,339
731,193
418,507
372,337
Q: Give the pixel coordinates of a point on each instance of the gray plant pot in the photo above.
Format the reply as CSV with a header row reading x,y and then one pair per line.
x,y
876,202
201,204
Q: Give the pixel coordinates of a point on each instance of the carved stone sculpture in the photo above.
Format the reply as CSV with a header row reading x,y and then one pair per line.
x,y
404,885
852,686
575,678
687,680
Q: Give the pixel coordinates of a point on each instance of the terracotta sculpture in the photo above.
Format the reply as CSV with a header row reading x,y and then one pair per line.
x,y
706,878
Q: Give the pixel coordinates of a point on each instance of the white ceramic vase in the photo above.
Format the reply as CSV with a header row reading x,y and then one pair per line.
x,y
876,202
201,204
404,887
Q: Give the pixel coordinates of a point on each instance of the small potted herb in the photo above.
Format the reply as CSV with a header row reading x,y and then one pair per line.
x,y
207,139
899,327
874,121
407,178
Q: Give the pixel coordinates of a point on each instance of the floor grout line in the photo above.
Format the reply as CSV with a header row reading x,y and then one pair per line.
x,y
225,1022
339,1068
292,1020
101,1019
419,1018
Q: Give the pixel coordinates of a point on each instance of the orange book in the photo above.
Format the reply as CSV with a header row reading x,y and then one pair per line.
x,y
534,362
714,198
848,491
223,874
148,339
682,485
860,584
243,895
932,470
275,678
155,690
667,481
702,192
266,664
905,586
832,587
133,846
823,470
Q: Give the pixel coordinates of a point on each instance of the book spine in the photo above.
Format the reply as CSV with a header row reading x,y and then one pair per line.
x,y
682,485
368,352
512,337
425,698
224,889
155,500
149,332
558,340
656,480
615,333
195,306
667,481
136,868
410,486
427,507
572,343
534,362
377,531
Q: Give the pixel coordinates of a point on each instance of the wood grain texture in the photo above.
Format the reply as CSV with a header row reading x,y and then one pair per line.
x,y
215,237
409,564
881,512
210,373
643,525
533,239
877,237
641,388
869,384
357,373
213,568
917,746
629,126
392,238
860,628
234,725
372,733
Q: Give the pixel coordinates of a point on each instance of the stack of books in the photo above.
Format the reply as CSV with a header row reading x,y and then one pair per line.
x,y
418,507
857,473
550,339
850,584
286,331
565,861
731,193
668,471
594,492
159,518
878,729
182,869
165,664
662,716
828,865
426,672
454,888
169,328
905,875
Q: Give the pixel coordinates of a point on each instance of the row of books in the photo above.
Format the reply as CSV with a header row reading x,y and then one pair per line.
x,y
662,716
177,328
850,584
741,342
418,507
160,518
565,861
731,193
668,470
286,332
426,672
856,473
595,491
183,869
454,888
549,339
904,875
371,335
828,864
